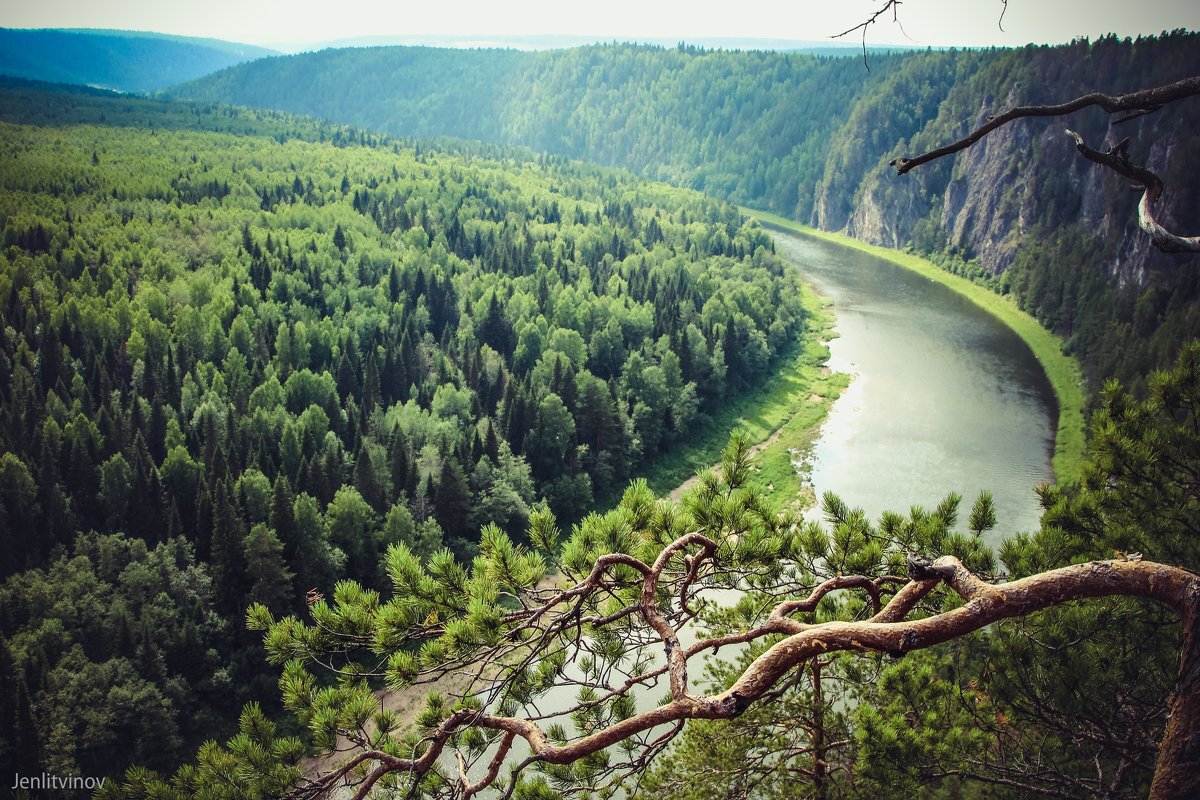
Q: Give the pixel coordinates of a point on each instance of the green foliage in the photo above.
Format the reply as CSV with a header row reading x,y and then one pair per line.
x,y
810,137
190,349
114,646
1074,695
442,617
748,126
1140,492
1033,702
327,361
254,763
352,370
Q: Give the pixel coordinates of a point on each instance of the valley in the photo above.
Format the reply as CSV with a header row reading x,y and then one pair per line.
x,y
470,379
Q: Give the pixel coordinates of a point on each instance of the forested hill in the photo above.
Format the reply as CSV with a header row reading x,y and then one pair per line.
x,y
130,61
810,138
234,368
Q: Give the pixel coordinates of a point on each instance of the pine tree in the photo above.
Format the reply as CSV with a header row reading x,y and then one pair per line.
x,y
371,389
283,523
366,480
20,747
398,461
225,549
270,580
452,503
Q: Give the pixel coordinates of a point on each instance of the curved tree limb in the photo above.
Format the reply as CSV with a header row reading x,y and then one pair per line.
x,y
1177,775
1132,104
1137,103
1117,160
676,660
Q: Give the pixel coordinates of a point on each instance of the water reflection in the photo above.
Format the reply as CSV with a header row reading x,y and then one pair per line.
x,y
944,397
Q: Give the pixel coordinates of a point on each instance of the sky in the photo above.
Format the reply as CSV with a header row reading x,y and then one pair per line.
x,y
925,22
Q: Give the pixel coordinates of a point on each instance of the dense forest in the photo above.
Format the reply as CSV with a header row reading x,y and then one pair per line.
x,y
235,369
810,138
366,394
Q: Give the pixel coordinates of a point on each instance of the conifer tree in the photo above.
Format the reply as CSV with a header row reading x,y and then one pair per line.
x,y
20,749
270,582
225,548
452,501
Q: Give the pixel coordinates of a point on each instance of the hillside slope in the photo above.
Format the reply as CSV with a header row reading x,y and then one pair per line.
x,y
234,368
810,138
128,61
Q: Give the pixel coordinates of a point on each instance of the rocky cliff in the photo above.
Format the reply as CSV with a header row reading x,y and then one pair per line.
x,y
1023,208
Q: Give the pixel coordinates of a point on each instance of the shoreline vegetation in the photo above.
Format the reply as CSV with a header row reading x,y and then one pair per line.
x,y
1061,370
782,418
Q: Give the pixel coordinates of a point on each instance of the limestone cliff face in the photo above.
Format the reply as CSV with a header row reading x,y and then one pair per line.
x,y
986,206
1002,188
1018,177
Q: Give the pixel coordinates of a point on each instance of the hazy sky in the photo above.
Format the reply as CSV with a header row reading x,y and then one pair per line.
x,y
926,22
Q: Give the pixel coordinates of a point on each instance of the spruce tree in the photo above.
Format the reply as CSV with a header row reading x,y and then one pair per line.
x,y
452,503
270,581
225,549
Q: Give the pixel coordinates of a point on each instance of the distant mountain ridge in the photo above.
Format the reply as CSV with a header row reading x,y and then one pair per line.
x,y
127,61
828,47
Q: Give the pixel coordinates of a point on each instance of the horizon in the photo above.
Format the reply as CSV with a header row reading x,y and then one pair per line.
x,y
923,23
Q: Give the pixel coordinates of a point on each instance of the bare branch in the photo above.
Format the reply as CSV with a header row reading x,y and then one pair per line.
x,y
1117,160
1133,104
1141,102
892,5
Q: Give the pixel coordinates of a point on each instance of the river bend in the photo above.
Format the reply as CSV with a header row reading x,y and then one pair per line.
x,y
944,396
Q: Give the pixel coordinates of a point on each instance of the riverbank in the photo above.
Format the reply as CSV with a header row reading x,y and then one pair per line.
x,y
1061,370
783,417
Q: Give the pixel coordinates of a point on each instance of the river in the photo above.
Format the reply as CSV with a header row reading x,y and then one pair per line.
x,y
944,396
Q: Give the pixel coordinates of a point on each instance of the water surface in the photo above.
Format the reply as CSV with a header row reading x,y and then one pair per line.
x,y
944,396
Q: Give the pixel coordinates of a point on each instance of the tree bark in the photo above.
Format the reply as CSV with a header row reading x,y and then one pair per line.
x,y
820,767
1177,773
1152,188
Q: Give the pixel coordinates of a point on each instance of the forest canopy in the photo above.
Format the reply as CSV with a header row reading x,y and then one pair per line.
x,y
363,386
262,362
810,138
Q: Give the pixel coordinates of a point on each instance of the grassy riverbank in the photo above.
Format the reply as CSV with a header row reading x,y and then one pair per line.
x,y
782,416
1061,369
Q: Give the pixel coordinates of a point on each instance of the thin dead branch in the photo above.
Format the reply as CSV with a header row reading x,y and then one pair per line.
x,y
1130,106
